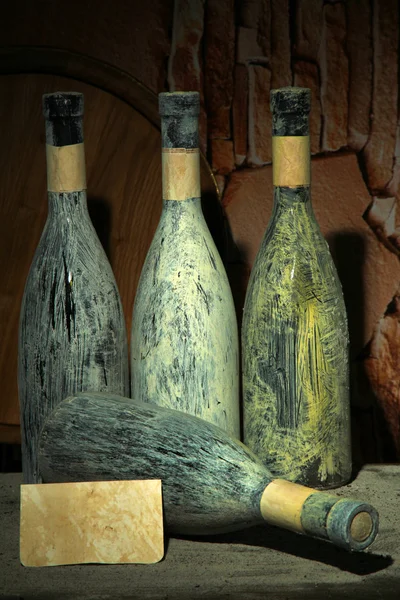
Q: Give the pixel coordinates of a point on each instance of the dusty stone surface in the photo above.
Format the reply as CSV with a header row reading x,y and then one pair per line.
x,y
222,158
334,77
369,272
185,60
308,29
306,75
382,367
240,113
359,50
281,73
219,59
380,148
260,120
235,566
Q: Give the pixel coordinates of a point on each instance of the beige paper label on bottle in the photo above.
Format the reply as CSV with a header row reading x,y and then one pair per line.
x,y
291,160
282,502
181,173
66,170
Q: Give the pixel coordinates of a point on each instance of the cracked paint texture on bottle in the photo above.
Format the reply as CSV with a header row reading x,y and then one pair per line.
x,y
295,349
72,334
184,341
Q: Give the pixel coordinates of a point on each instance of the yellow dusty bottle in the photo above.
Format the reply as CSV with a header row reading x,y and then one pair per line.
x,y
294,332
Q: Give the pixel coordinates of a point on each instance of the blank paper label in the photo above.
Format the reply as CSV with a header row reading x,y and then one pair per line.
x,y
181,173
91,522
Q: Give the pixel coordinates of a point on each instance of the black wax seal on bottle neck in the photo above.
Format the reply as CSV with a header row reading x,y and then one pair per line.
x,y
290,107
62,105
179,113
63,112
179,104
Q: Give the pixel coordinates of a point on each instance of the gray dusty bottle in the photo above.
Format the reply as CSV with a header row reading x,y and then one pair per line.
x,y
72,334
184,341
211,483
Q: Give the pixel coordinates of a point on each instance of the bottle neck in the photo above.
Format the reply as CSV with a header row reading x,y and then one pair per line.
x,y
180,158
290,142
290,197
351,524
68,205
65,155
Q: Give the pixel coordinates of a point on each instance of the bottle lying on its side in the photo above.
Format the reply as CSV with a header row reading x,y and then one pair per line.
x,y
211,482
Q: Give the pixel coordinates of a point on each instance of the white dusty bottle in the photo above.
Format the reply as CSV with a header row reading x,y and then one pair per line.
x,y
72,334
184,340
294,333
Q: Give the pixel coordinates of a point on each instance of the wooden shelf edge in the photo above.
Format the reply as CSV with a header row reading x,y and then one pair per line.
x,y
10,434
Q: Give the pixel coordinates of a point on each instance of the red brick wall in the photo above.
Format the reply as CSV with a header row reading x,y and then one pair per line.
x,y
347,53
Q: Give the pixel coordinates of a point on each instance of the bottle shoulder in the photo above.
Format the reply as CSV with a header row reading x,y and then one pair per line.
x,y
294,239
71,265
190,250
182,224
77,240
294,275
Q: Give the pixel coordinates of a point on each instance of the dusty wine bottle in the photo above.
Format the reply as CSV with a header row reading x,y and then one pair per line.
x,y
211,482
72,334
184,339
294,332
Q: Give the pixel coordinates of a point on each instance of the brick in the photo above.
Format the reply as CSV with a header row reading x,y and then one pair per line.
x,y
264,27
394,184
281,73
368,270
240,113
222,160
220,181
334,77
247,46
359,50
393,226
381,217
306,75
260,120
218,66
308,30
185,61
249,14
380,148
256,14
382,368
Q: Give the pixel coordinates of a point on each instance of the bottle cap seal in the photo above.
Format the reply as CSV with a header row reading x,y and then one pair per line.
x,y
177,104
291,100
62,105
